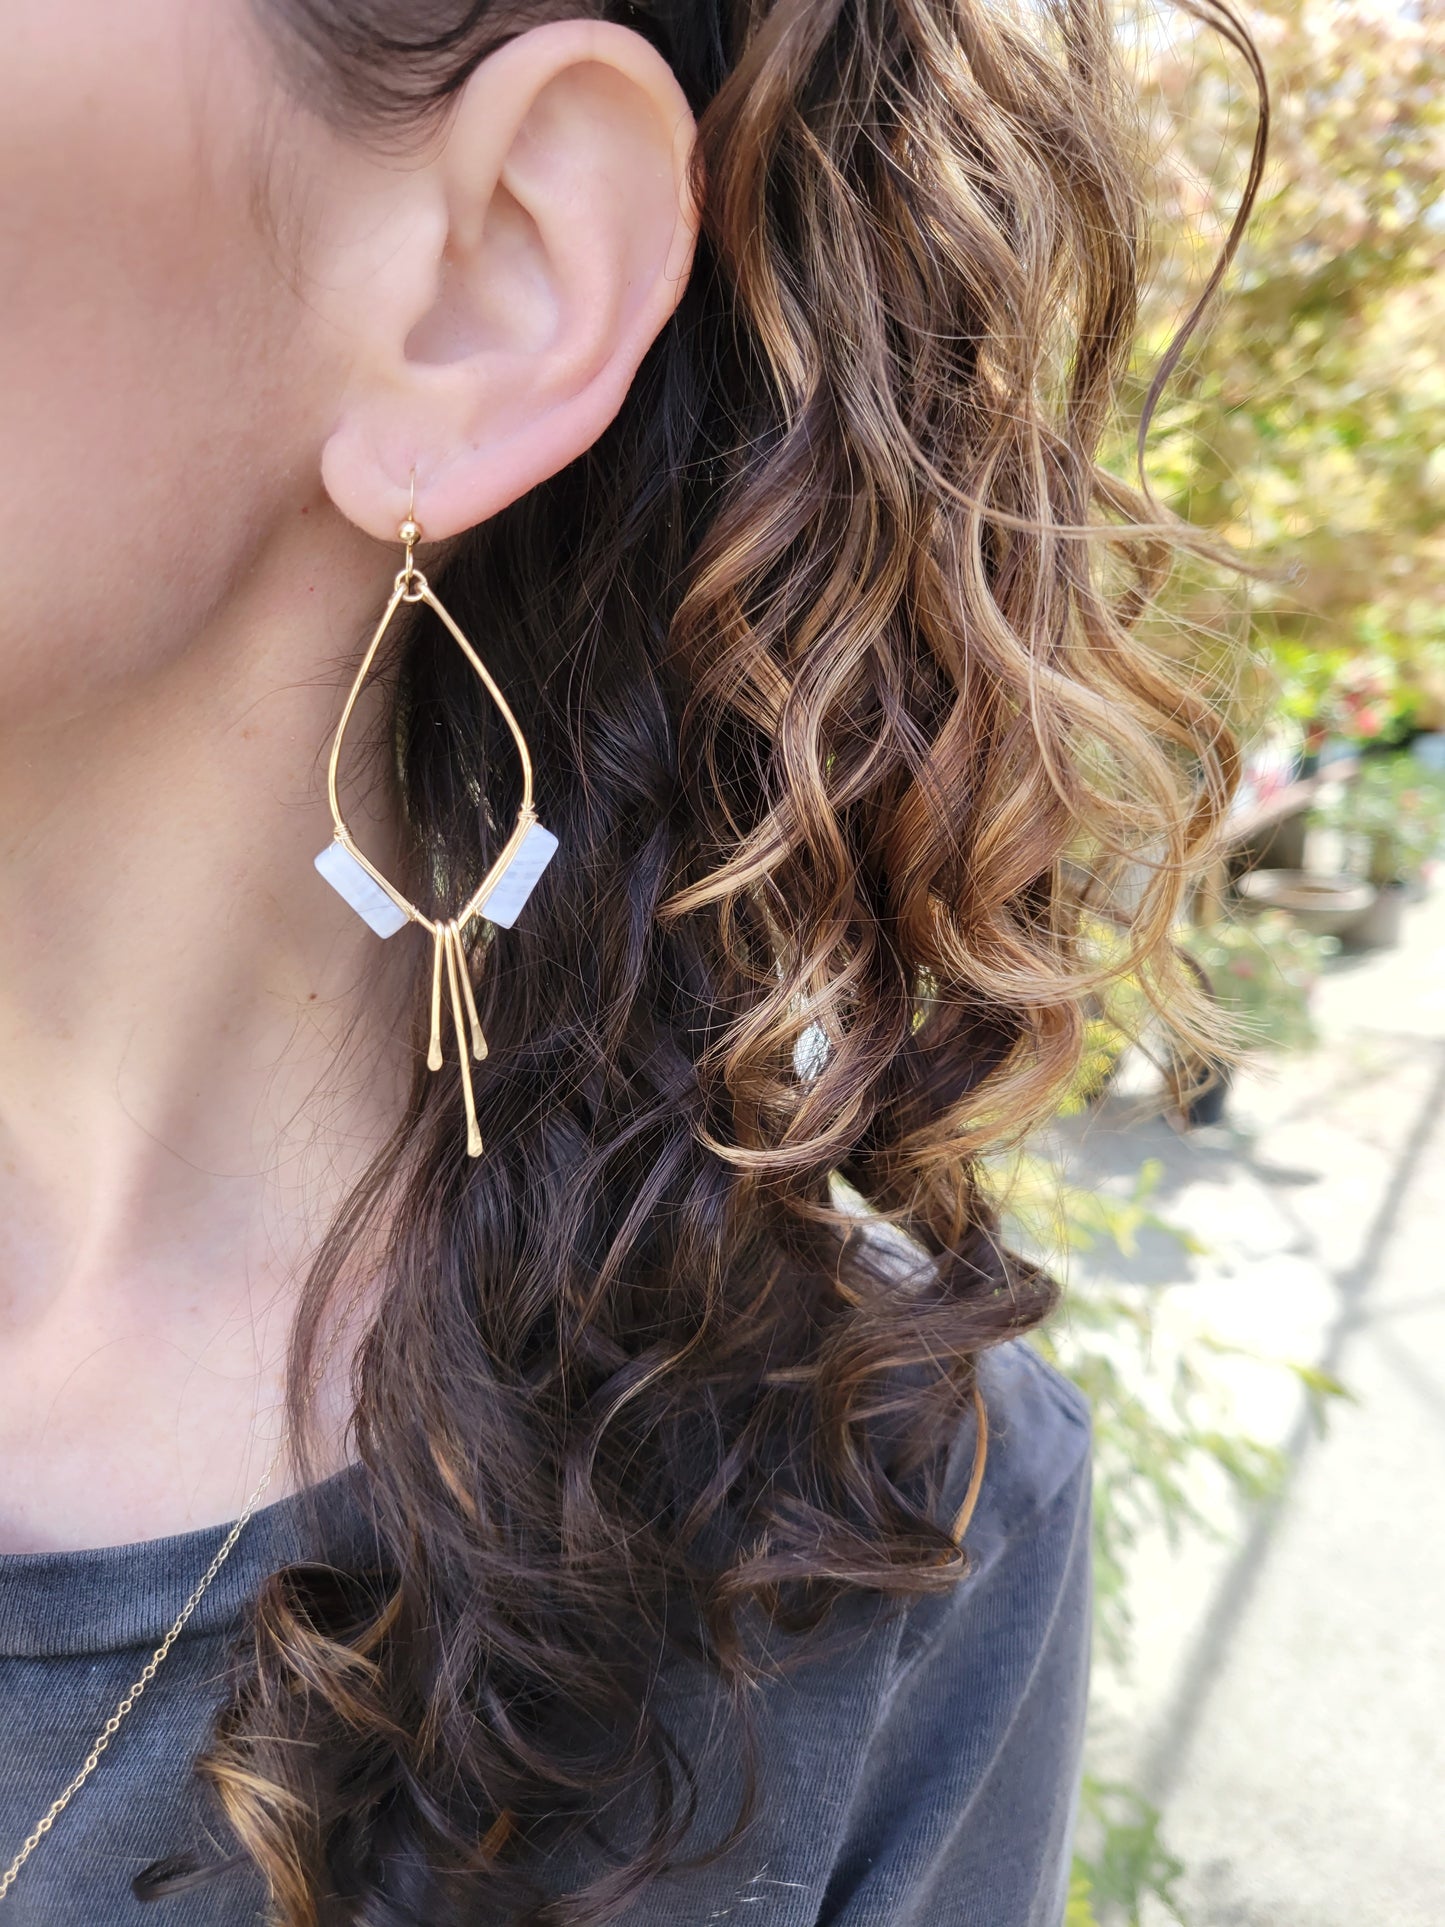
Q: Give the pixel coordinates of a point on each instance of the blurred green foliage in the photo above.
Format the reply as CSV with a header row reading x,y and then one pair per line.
x,y
1305,428
1392,815
1157,1427
1261,970
1132,1860
1307,424
1155,1424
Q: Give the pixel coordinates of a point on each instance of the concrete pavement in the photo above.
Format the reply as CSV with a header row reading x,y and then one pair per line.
x,y
1286,1700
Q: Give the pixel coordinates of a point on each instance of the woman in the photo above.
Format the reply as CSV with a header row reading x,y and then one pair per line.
x,y
576,1457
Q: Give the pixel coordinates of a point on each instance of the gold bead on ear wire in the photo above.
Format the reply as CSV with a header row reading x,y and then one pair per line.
x,y
499,896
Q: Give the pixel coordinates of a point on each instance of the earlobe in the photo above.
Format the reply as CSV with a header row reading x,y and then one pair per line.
x,y
515,280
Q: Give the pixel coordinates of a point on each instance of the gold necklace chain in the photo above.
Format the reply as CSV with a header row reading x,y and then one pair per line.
x,y
133,1692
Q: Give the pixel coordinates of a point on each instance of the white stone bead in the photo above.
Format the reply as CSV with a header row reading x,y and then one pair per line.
x,y
361,890
513,887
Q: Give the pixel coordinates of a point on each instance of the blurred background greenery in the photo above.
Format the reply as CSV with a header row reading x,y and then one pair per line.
x,y
1306,427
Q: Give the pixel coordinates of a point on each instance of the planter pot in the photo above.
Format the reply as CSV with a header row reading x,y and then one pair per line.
x,y
1330,906
1379,928
1205,1100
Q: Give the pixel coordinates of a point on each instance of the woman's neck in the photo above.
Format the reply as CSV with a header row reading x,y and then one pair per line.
x,y
200,1049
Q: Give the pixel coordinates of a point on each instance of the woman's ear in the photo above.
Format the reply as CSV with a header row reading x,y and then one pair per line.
x,y
498,296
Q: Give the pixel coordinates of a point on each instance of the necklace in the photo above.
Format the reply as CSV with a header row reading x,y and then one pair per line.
x,y
137,1686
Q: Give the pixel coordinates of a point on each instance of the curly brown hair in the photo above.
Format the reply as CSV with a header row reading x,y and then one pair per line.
x,y
827,652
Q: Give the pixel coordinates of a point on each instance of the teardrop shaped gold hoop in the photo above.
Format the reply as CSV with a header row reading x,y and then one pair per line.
x,y
502,891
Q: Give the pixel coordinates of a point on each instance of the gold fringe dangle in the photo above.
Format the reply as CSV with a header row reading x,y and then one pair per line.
x,y
454,976
479,1043
434,1049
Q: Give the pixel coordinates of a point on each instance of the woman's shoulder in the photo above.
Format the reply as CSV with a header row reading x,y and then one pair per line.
x,y
924,1767
1037,1437
961,1803
1028,1526
1020,1608
1037,1444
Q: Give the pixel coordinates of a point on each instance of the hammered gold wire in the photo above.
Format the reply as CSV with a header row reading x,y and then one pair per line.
x,y
449,953
452,945
412,586
479,1043
434,1046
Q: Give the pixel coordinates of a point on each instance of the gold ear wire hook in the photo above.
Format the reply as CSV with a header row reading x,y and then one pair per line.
x,y
410,530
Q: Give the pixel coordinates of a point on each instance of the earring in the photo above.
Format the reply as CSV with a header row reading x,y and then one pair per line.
x,y
501,893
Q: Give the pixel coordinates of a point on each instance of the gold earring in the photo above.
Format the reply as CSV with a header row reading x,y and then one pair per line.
x,y
501,893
